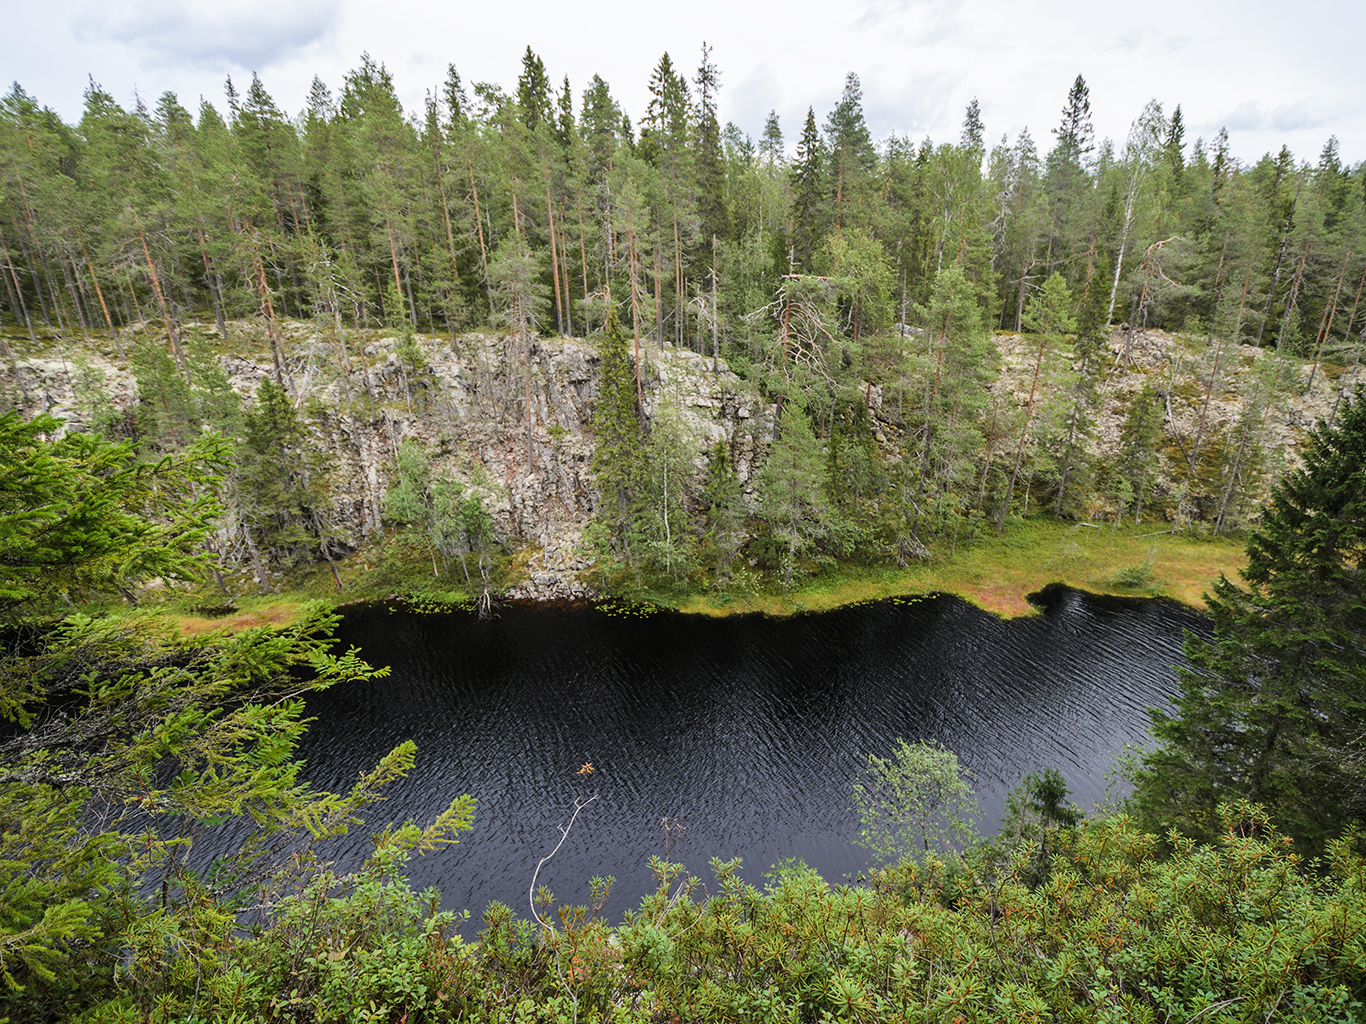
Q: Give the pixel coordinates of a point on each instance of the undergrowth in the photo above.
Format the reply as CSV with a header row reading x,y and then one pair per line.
x,y
1107,930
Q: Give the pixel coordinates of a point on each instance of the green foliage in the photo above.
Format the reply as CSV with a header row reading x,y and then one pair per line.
x,y
1132,577
163,736
1268,709
616,424
1234,931
914,802
796,504
723,497
282,496
127,740
1135,468
81,514
175,406
665,481
454,522
1037,812
946,430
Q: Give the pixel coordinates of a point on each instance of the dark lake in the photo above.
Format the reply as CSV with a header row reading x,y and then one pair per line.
x,y
749,731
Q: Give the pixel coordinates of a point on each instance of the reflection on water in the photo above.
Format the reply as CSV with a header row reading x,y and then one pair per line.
x,y
747,730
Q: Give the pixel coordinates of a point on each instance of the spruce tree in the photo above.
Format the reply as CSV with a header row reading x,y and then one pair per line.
x,y
282,498
533,93
807,181
711,173
616,423
1270,709
795,501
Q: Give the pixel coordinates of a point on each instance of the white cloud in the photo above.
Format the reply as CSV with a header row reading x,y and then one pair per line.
x,y
922,22
251,34
1297,116
1249,116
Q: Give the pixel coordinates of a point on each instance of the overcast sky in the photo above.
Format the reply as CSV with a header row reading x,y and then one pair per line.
x,y
1272,73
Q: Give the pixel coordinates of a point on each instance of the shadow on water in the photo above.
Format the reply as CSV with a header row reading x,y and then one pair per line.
x,y
748,730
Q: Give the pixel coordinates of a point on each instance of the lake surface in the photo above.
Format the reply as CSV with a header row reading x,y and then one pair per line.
x,y
749,731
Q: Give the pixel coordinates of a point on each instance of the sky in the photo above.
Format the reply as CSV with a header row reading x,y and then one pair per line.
x,y
1272,74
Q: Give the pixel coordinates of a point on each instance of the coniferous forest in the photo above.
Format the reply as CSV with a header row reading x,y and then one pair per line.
x,y
291,343
877,288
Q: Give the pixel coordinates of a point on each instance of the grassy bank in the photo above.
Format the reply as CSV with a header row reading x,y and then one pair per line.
x,y
998,572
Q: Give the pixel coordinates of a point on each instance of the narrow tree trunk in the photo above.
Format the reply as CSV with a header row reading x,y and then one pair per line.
x,y
479,227
583,258
267,307
635,311
564,268
99,293
161,301
209,278
715,321
554,254
1325,331
18,298
261,574
75,298
678,286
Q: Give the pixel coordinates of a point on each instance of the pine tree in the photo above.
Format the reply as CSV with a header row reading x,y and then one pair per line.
x,y
457,103
1174,147
1271,708
771,143
973,130
663,129
852,157
564,116
1048,317
1066,180
1135,468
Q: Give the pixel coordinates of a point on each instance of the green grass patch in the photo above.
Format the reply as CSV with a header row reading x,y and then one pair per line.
x,y
997,572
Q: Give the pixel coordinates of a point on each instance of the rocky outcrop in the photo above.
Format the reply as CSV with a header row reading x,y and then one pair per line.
x,y
466,399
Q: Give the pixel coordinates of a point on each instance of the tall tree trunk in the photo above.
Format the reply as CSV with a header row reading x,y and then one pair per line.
x,y
715,320
635,310
210,279
268,308
99,292
479,228
1325,330
161,301
554,254
659,297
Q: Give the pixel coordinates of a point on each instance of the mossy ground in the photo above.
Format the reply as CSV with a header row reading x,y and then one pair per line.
x,y
998,572
994,572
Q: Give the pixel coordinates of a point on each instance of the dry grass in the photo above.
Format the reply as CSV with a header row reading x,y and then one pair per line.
x,y
280,614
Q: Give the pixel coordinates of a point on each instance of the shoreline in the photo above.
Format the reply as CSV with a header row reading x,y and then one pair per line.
x,y
995,573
